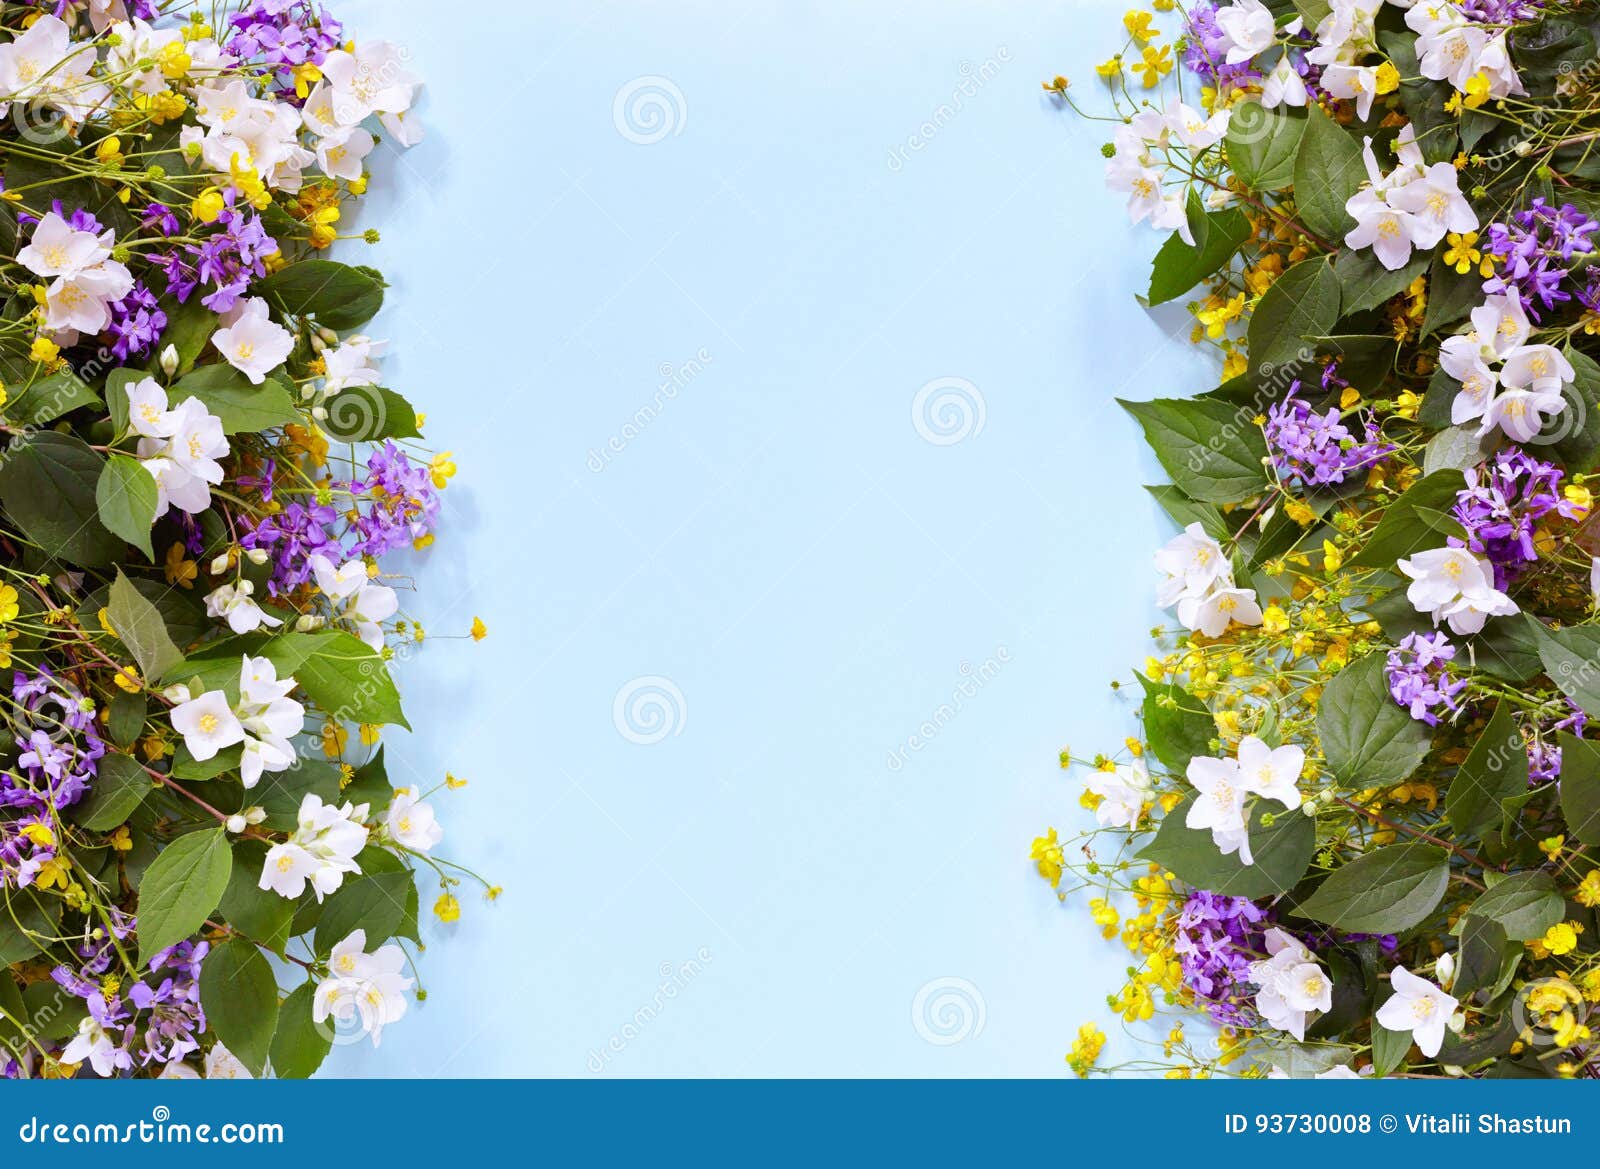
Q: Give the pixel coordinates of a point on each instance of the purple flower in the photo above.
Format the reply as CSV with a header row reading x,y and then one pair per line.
x,y
55,729
136,323
281,34
1206,51
1313,449
1420,679
403,503
293,536
1500,509
1533,253
1216,937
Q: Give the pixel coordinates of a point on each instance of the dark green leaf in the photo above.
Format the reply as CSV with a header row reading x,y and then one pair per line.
x,y
1388,1049
375,903
1365,283
1418,520
238,405
49,398
260,914
1303,303
1572,659
1212,450
1524,905
1495,769
140,627
369,413
181,888
120,785
1261,145
1178,267
1367,738
1385,891
339,296
47,484
240,998
125,498
1328,170
1282,853
299,1046
1580,787
345,676
1176,723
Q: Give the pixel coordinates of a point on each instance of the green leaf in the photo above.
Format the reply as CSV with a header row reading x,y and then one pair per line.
x,y
369,413
281,792
27,924
1482,953
1456,448
1524,905
1282,852
1451,295
1494,770
1580,787
1367,738
49,398
1176,723
120,785
140,627
1328,170
1184,511
1423,102
125,498
1261,145
1418,520
339,296
1178,267
370,784
345,676
1388,1049
260,914
1578,425
47,484
1365,283
238,405
1572,659
375,903
240,998
1386,891
1212,450
1303,303
181,888
125,717
299,1046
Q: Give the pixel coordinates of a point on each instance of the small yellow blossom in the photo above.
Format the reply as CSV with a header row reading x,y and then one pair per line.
x,y
1588,891
447,909
1086,1048
1388,78
441,468
1551,846
121,840
1559,939
1138,26
1109,68
1048,856
1155,64
127,679
179,569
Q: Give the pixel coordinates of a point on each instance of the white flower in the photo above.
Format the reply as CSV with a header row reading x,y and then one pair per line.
x,y
1194,129
1271,772
368,987
1122,793
1594,578
1418,1007
252,344
411,822
1541,368
337,583
1219,805
43,62
57,249
135,54
1352,81
1212,613
1292,984
207,724
235,605
321,850
222,1064
183,457
367,611
1250,28
339,154
371,80
1193,562
1283,86
94,1044
1436,205
270,717
1453,585
351,364
1521,413
148,415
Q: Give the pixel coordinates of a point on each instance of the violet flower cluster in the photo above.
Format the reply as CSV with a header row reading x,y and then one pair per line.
x,y
58,742
281,35
1215,937
1544,756
1420,678
1311,448
227,260
1501,509
1534,252
165,1015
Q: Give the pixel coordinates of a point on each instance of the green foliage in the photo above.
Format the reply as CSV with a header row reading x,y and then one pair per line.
x,y
1385,891
338,295
1496,769
1178,267
181,888
1366,737
240,999
1262,144
1212,450
1282,852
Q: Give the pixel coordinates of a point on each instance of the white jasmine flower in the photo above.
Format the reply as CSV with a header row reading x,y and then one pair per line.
x,y
367,611
1541,368
1212,613
368,987
1271,772
321,850
235,605
1194,129
1250,28
371,80
1519,413
1193,562
411,822
337,583
148,415
341,152
1283,86
43,62
1418,1007
57,249
1292,984
207,724
93,1043
222,1064
1219,805
1123,794
184,459
1453,585
270,717
1359,82
253,344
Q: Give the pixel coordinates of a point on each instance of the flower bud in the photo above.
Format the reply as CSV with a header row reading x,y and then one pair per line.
x,y
308,622
219,565
169,360
256,556
237,824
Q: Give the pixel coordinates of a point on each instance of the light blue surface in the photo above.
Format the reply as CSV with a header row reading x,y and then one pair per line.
x,y
814,577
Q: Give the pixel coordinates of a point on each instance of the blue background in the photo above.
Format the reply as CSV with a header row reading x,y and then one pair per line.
x,y
812,575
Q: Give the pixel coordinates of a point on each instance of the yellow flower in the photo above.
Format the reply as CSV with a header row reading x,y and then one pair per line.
x,y
1235,364
1110,68
479,629
179,569
1299,512
1155,65
1138,26
1477,91
1332,558
1588,892
208,205
127,679
1216,319
121,840
1407,403
1105,914
1551,846
1086,1048
109,151
1388,78
8,604
370,733
1048,856
1561,938
1461,252
40,834
441,469
334,738
44,351
53,873
447,908
1274,619
453,783
1578,496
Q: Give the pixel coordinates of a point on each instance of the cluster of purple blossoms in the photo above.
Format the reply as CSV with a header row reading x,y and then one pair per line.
x,y
136,323
1312,449
1499,510
282,34
55,730
167,1014
1544,757
1205,54
404,502
1215,937
1502,12
292,536
228,260
1533,253
1419,676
